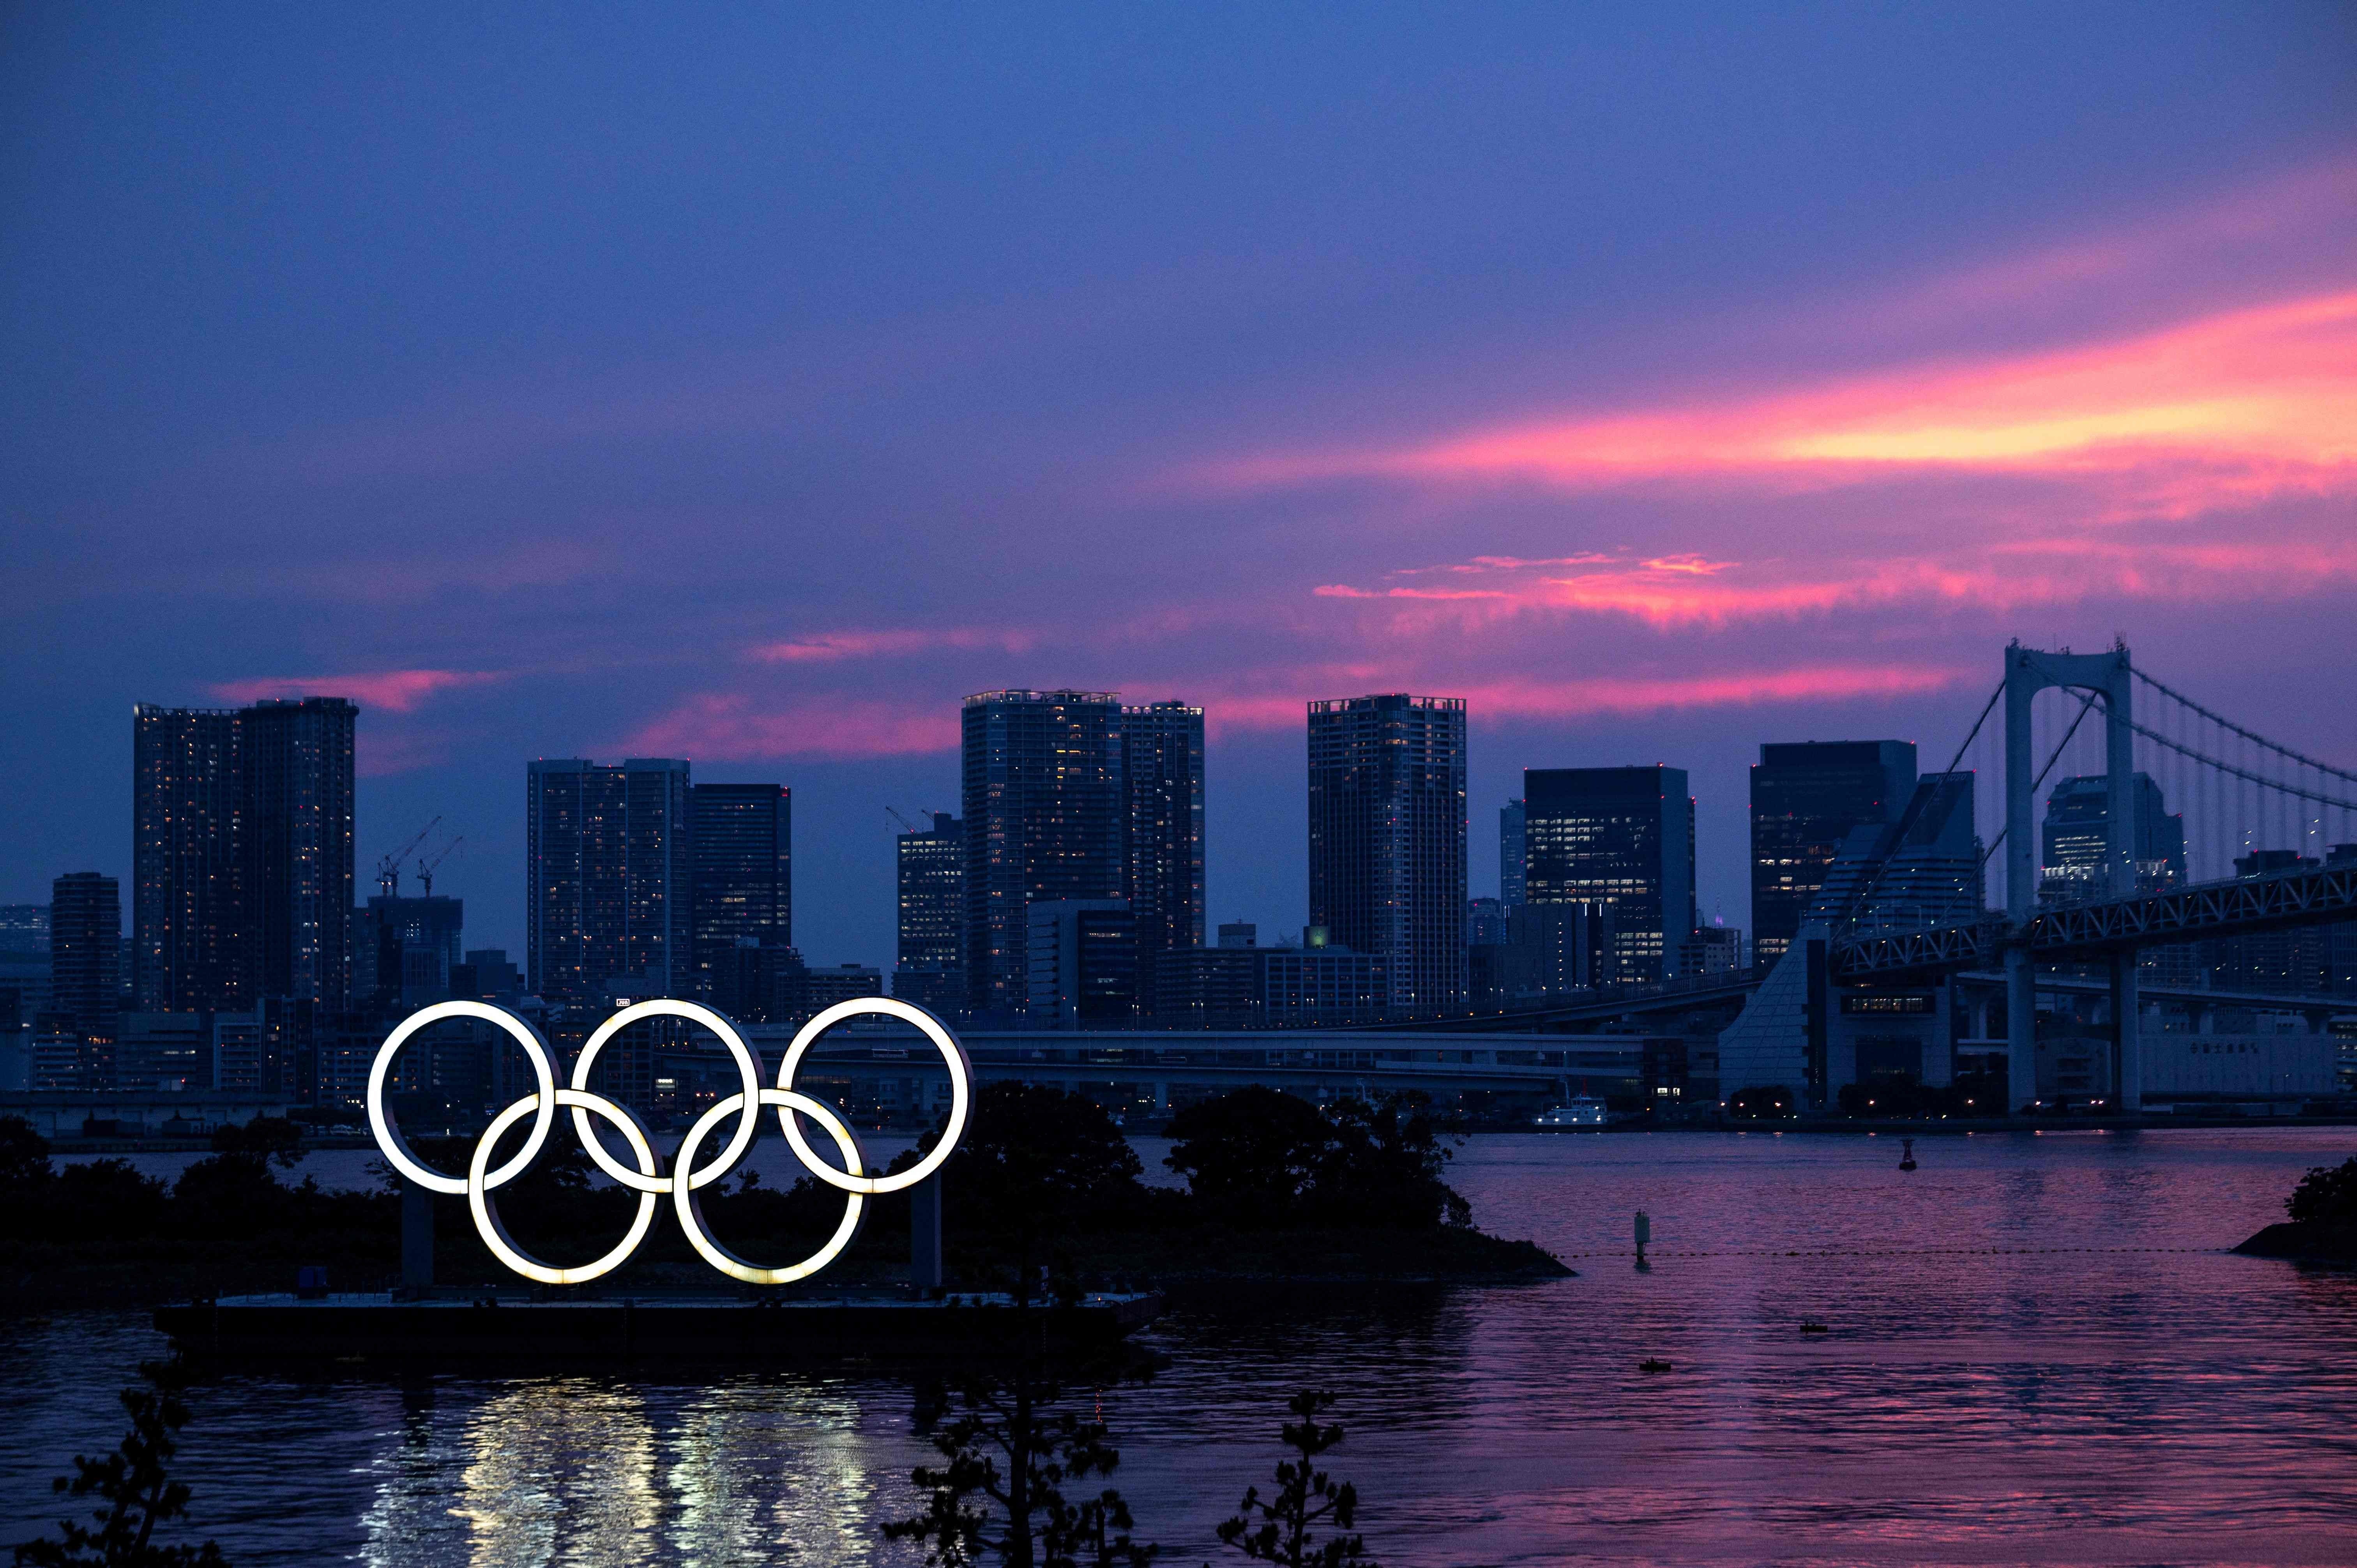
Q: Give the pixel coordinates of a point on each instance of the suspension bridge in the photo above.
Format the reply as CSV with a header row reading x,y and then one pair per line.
x,y
2193,827
2264,838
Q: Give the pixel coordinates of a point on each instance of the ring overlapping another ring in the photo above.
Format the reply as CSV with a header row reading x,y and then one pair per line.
x,y
647,1180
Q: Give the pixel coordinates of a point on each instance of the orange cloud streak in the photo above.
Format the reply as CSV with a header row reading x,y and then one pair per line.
x,y
2245,402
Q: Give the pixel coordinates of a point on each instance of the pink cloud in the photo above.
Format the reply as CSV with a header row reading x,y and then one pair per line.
x,y
1253,707
1935,569
2262,399
396,691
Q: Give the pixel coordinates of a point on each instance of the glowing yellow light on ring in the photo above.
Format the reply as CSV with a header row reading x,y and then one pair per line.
x,y
960,1092
691,1211
486,1213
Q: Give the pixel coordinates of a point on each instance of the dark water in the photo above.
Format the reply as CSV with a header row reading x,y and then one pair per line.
x,y
2038,1352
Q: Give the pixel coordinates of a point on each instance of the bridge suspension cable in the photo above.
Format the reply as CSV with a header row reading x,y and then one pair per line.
x,y
2251,796
2279,786
2223,722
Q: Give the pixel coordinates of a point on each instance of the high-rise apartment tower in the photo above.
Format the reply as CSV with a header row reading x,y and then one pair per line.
x,y
86,953
609,881
1046,817
1387,841
1512,845
741,841
241,855
930,968
1162,764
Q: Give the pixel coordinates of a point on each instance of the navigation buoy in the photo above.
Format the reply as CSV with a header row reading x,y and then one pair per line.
x,y
1907,1155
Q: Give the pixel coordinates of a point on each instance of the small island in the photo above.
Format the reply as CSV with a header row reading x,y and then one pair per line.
x,y
1044,1189
2323,1224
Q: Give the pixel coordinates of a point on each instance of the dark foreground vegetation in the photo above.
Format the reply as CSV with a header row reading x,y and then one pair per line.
x,y
2323,1223
1043,1193
124,1497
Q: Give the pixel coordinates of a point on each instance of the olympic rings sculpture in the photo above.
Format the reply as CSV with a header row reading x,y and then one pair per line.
x,y
644,1175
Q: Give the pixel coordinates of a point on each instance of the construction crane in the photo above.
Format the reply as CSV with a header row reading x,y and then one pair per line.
x,y
427,863
908,827
388,868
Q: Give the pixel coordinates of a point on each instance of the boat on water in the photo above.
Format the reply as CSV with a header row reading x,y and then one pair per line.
x,y
1585,1112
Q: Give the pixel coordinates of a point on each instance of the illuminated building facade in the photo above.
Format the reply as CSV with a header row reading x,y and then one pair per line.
x,y
1046,818
1162,767
1621,838
242,854
741,839
609,884
931,964
1807,797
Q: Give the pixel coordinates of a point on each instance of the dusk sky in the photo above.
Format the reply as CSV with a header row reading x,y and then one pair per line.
x,y
748,384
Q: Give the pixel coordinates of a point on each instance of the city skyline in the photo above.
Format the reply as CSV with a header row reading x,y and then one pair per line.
x,y
1736,865
1557,385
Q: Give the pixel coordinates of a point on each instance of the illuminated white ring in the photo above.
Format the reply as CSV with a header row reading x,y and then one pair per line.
x,y
388,1136
487,1214
960,1092
748,1071
691,1211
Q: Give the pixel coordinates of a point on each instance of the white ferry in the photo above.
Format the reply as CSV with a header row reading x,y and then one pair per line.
x,y
1585,1111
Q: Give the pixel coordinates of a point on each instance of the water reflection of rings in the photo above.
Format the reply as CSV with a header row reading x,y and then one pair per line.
x,y
645,1175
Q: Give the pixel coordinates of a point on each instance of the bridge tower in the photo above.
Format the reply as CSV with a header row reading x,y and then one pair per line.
x,y
2106,677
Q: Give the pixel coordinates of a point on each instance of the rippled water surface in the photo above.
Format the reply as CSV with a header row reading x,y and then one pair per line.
x,y
2040,1351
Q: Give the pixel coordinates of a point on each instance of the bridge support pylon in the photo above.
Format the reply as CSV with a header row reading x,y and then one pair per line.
x,y
2109,677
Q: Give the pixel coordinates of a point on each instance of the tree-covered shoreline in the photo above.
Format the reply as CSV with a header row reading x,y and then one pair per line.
x,y
1043,1186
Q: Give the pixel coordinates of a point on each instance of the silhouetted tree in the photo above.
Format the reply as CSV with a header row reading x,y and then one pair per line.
x,y
998,1496
1251,1154
1283,1528
264,1138
1035,1156
2326,1195
135,1493
104,1200
24,1176
1262,1157
1384,1161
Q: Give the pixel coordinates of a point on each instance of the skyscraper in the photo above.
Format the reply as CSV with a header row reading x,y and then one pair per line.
x,y
1806,797
1511,846
930,968
404,949
740,838
608,877
1622,838
86,954
1920,868
2074,841
1387,841
242,854
296,758
190,930
1162,764
1046,818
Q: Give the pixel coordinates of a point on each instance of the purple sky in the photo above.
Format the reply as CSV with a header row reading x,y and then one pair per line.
x,y
1662,379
